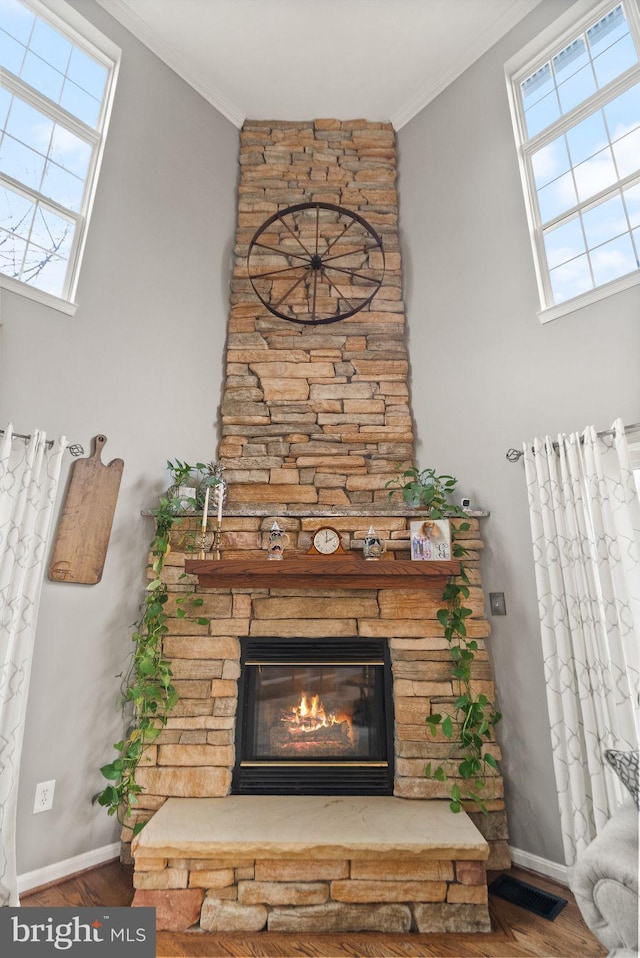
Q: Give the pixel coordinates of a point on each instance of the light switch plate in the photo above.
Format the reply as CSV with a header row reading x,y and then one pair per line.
x,y
497,603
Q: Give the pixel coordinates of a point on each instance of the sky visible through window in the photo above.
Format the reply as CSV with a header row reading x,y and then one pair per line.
x,y
41,148
587,244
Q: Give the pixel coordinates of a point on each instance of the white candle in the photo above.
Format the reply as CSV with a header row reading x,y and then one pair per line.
x,y
205,510
219,492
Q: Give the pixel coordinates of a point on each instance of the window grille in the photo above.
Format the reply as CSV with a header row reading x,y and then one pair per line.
x,y
576,113
56,89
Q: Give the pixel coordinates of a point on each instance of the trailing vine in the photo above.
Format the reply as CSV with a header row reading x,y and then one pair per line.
x,y
470,727
148,684
475,715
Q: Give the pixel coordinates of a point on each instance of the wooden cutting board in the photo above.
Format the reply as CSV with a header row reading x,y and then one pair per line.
x,y
85,524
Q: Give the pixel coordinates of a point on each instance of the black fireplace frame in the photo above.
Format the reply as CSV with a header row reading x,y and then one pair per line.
x,y
314,778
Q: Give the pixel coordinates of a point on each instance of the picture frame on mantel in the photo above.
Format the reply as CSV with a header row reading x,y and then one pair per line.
x,y
430,540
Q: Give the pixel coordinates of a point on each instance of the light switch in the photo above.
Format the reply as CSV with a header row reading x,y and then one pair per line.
x,y
497,603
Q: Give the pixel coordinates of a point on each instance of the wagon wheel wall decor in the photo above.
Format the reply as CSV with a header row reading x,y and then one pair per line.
x,y
315,263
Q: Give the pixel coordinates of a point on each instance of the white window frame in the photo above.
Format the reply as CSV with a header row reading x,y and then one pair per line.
x,y
62,17
550,42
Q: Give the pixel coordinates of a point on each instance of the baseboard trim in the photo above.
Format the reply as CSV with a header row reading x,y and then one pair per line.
x,y
542,866
65,869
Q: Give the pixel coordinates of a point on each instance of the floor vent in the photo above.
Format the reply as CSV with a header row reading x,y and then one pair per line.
x,y
527,896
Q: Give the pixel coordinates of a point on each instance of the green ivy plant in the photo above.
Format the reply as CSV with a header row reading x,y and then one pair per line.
x,y
148,685
470,728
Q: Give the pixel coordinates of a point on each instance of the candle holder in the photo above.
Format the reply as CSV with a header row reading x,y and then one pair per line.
x,y
206,542
213,481
216,540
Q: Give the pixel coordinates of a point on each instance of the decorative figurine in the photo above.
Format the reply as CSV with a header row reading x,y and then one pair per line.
x,y
374,545
277,542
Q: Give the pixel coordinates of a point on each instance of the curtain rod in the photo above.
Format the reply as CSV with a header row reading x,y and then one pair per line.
x,y
514,455
75,449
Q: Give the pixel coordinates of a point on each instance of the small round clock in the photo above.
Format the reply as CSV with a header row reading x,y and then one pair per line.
x,y
326,542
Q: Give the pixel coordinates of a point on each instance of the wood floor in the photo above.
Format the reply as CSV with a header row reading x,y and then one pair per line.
x,y
516,933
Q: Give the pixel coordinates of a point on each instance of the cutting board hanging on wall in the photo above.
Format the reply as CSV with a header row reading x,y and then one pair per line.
x,y
85,524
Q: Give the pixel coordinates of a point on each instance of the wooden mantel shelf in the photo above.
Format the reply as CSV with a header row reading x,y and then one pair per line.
x,y
318,572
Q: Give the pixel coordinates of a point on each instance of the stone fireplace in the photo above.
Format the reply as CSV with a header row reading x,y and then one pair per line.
x,y
314,675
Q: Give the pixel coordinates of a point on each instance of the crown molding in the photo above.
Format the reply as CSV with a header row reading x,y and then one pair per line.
x,y
494,31
121,12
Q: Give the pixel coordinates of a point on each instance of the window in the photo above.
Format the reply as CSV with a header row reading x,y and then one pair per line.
x,y
576,113
633,440
57,78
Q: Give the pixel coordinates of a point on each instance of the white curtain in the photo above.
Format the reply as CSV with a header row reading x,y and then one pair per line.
x,y
585,525
29,474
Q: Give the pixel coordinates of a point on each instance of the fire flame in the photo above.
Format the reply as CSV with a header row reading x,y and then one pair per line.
x,y
310,715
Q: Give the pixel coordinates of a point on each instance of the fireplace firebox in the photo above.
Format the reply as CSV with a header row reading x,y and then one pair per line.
x,y
315,717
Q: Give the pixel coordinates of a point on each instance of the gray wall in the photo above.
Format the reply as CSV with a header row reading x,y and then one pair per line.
x,y
488,375
140,361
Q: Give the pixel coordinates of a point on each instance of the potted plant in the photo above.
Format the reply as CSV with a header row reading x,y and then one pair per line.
x,y
183,493
423,489
430,536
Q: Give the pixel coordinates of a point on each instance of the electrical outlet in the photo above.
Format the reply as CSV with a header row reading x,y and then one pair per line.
x,y
44,796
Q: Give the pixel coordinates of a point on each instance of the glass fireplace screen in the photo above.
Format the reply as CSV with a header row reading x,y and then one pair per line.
x,y
324,712
314,715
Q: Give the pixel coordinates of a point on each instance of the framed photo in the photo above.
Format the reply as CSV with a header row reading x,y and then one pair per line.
x,y
430,540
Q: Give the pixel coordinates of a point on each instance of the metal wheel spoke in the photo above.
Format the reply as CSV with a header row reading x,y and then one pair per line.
x,y
336,238
352,272
285,269
341,295
315,290
282,252
296,238
351,252
289,291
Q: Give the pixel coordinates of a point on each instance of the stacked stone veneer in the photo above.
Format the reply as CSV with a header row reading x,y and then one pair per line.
x,y
194,754
252,895
313,422
316,415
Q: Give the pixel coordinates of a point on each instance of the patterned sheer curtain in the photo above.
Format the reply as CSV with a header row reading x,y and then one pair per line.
x,y
585,524
29,475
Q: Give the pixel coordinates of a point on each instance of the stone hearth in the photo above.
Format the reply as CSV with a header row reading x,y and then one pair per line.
x,y
312,864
